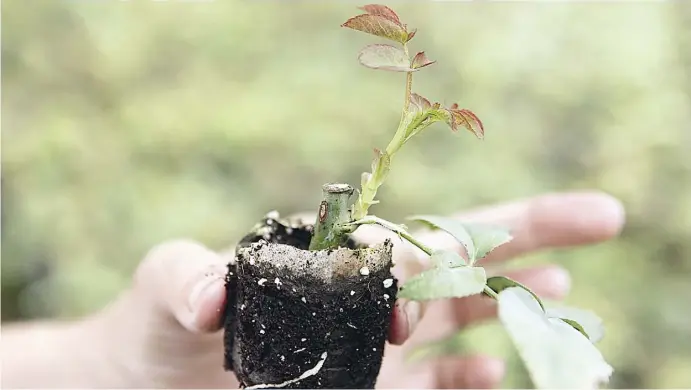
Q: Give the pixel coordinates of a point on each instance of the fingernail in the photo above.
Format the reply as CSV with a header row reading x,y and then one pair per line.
x,y
487,375
201,290
562,279
412,313
494,368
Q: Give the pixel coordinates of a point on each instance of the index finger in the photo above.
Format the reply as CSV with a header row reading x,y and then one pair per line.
x,y
548,221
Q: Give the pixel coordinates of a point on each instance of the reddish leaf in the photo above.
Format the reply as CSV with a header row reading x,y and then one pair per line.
x,y
420,61
419,102
385,57
381,10
467,119
378,25
411,34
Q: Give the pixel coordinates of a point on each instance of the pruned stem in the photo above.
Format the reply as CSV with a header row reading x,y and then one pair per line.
x,y
330,229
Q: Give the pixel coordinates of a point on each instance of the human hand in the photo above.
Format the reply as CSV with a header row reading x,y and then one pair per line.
x,y
164,331
544,222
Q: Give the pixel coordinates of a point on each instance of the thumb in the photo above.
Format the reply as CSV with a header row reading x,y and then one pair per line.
x,y
162,332
185,281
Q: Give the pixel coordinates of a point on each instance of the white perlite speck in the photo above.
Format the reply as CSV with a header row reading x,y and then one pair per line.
x,y
306,374
364,271
242,307
388,283
386,296
352,292
278,281
283,358
261,281
261,331
304,300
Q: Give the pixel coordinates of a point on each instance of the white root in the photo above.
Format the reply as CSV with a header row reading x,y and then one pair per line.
x,y
306,374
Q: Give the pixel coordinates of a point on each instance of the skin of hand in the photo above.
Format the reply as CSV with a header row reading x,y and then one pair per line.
x,y
164,330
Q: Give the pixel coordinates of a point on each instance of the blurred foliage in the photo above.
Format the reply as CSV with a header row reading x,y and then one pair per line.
x,y
126,123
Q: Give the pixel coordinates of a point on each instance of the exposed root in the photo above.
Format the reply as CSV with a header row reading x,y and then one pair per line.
x,y
306,374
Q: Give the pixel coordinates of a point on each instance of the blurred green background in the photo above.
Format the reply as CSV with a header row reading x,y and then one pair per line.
x,y
129,123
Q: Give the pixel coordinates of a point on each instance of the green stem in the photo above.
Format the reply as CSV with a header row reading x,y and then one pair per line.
x,y
373,220
491,293
369,189
399,137
329,230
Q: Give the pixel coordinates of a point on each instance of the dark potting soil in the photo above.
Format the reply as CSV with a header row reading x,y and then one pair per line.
x,y
279,329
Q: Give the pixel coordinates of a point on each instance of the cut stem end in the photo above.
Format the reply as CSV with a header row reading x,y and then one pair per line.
x,y
330,231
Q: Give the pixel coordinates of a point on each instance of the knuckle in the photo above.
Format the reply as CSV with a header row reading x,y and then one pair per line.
x,y
162,255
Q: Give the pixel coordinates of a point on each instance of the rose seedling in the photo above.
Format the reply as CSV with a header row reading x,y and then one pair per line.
x,y
310,307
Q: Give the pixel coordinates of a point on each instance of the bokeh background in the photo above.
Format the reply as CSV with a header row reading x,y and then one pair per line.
x,y
126,123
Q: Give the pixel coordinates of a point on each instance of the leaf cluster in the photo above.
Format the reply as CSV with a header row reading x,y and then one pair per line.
x,y
556,344
418,112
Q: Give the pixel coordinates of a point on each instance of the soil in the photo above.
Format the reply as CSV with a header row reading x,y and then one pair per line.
x,y
305,319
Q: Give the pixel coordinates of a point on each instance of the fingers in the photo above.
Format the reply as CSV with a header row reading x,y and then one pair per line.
x,y
439,318
547,221
548,282
476,372
184,280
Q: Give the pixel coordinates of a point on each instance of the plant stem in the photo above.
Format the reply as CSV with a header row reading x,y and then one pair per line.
x,y
329,230
398,138
373,220
491,293
369,191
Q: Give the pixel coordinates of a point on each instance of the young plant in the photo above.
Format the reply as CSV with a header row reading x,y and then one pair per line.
x,y
309,307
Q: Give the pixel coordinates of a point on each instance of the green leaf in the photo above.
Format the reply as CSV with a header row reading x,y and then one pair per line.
x,y
487,238
451,226
380,26
555,354
420,61
576,326
440,283
385,57
478,240
447,259
501,283
590,322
